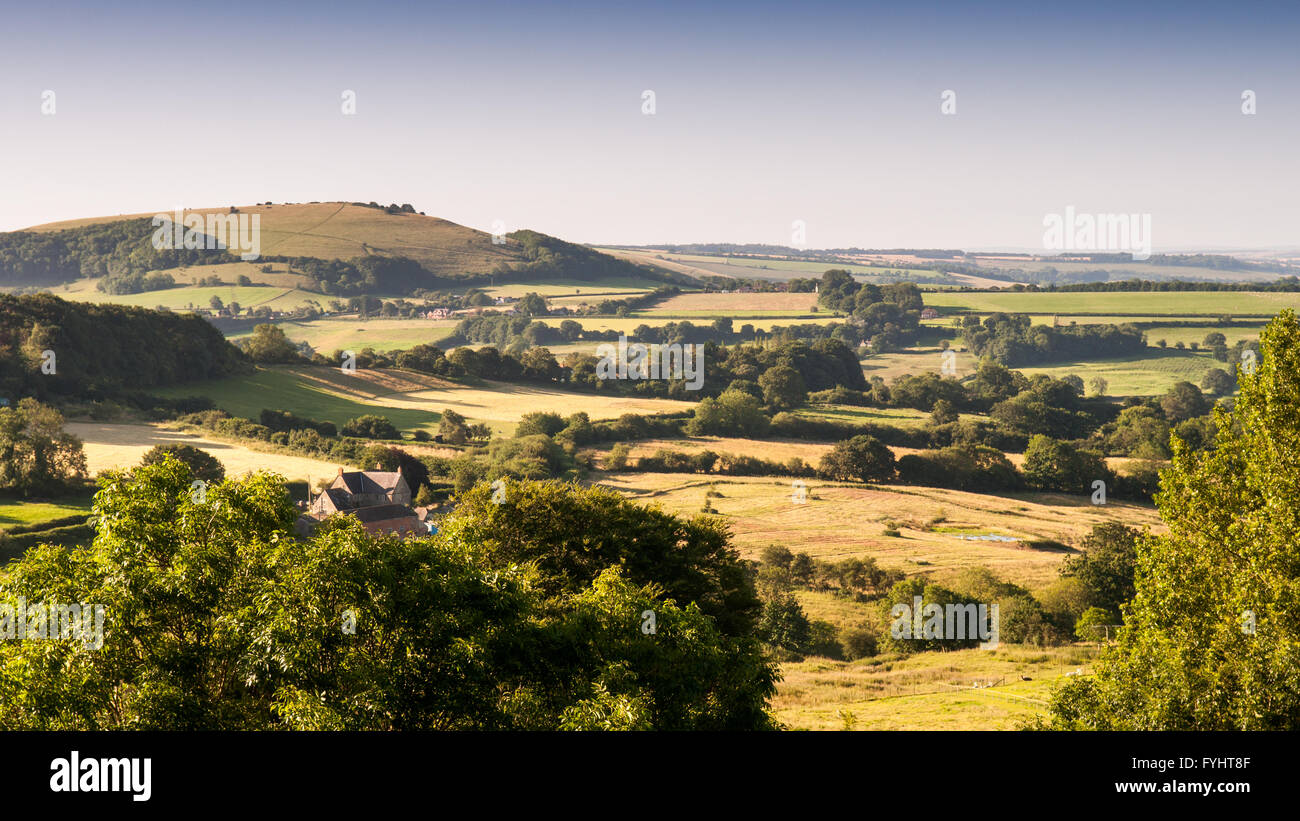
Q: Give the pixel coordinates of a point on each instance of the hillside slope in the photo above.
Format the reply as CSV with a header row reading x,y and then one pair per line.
x,y
346,231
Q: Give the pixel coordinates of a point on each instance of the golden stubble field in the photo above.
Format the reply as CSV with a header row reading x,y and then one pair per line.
x,y
841,521
971,689
411,400
114,446
744,302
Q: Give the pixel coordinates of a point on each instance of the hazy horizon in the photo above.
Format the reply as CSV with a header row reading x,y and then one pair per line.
x,y
764,114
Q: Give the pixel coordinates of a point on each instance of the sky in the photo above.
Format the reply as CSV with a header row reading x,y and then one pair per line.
x,y
532,115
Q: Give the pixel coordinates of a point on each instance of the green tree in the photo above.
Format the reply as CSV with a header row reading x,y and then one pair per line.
x,y
1219,382
202,464
1212,637
268,344
618,456
863,458
539,423
733,413
1057,466
549,524
1183,401
1093,624
784,625
1106,566
453,428
532,304
944,412
370,426
36,456
216,617
783,387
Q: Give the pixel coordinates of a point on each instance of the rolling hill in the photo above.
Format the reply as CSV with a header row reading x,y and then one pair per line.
x,y
325,239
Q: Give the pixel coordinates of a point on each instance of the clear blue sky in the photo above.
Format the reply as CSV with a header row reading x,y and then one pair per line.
x,y
765,114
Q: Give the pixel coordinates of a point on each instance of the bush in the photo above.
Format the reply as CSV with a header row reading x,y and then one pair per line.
x,y
371,426
858,642
863,458
201,463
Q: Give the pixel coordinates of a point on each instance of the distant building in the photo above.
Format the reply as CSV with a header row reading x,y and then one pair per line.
x,y
380,500
929,313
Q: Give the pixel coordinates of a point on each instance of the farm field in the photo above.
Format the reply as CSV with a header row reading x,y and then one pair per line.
x,y
329,334
1148,375
918,359
610,286
1197,334
412,401
783,269
779,450
843,521
186,298
343,333
718,304
23,512
927,691
1179,303
717,265
782,450
1128,270
113,447
279,275
899,417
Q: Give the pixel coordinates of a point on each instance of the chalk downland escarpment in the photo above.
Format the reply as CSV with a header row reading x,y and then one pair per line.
x,y
328,242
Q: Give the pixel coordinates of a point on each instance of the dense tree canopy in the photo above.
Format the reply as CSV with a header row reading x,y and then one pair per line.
x,y
36,455
1212,636
103,349
523,615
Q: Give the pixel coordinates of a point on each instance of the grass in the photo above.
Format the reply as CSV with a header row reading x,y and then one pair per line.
x,y
314,392
114,447
412,401
23,512
927,691
797,304
187,298
779,268
336,230
1150,374
1128,270
340,333
576,287
845,521
1152,304
898,417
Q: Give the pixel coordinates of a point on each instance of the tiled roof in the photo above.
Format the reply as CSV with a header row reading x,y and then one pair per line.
x,y
370,481
380,513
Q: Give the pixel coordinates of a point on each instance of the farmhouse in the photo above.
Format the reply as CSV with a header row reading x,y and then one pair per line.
x,y
929,313
380,500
